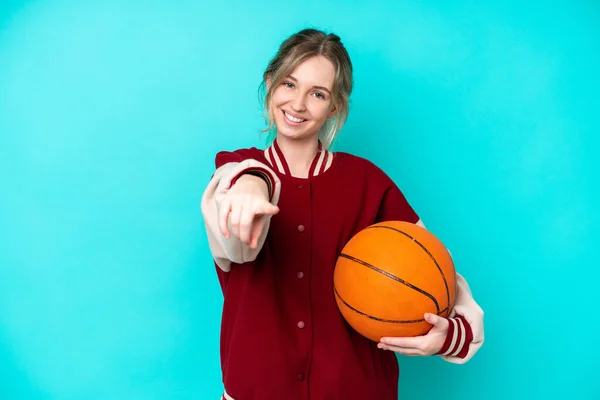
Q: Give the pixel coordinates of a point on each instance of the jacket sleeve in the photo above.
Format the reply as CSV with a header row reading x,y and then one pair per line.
x,y
465,331
230,166
395,207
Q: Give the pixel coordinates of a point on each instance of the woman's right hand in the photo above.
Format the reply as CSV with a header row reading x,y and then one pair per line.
x,y
243,207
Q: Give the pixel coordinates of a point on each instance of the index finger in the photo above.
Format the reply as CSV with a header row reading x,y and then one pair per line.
x,y
405,342
265,207
223,218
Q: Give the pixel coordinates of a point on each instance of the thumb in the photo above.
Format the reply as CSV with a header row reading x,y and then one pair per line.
x,y
436,320
266,208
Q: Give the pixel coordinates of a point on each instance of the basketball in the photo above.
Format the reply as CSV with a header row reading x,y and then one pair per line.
x,y
389,275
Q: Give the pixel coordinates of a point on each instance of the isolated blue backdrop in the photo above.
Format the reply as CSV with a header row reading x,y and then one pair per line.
x,y
486,115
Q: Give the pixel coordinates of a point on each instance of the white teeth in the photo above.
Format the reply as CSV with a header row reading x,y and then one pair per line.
x,y
293,119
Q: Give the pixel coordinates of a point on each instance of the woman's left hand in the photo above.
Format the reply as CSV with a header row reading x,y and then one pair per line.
x,y
425,345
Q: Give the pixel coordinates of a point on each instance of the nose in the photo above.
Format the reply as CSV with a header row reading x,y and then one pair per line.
x,y
298,103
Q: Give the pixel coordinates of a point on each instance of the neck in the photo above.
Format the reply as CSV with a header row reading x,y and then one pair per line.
x,y
299,154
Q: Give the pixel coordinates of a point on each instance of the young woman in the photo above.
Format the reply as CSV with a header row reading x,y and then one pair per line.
x,y
276,221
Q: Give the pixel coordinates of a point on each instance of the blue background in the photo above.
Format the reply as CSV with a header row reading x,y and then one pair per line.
x,y
486,115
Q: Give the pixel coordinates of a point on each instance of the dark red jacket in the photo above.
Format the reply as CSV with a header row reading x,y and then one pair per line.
x,y
282,335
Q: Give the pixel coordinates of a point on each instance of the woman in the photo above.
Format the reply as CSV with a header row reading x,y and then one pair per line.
x,y
278,218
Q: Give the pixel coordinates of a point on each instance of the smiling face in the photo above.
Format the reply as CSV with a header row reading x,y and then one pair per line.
x,y
303,100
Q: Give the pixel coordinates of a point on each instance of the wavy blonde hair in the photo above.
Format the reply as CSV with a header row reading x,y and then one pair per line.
x,y
292,52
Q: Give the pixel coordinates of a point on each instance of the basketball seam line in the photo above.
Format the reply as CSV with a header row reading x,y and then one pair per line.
x,y
385,273
425,250
395,321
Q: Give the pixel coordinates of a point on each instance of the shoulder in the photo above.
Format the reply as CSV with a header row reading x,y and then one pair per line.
x,y
353,161
360,166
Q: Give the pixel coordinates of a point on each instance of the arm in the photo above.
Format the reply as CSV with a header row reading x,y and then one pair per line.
x,y
230,168
465,324
465,333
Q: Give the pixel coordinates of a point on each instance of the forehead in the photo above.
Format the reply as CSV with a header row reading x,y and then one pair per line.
x,y
315,71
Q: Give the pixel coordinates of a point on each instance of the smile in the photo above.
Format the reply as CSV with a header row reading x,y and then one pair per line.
x,y
293,119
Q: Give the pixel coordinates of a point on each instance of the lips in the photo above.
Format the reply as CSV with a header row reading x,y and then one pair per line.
x,y
292,118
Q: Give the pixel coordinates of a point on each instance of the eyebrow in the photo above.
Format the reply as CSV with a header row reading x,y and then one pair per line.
x,y
316,87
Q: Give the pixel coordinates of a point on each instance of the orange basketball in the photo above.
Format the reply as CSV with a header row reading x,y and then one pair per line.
x,y
389,275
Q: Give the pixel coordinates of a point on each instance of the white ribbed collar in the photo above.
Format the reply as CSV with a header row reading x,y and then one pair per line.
x,y
321,163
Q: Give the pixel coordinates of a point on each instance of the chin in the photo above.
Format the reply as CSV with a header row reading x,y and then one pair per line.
x,y
295,135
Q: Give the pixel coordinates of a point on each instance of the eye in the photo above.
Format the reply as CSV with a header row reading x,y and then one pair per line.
x,y
320,95
288,84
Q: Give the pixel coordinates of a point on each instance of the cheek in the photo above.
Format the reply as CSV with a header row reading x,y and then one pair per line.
x,y
279,97
320,110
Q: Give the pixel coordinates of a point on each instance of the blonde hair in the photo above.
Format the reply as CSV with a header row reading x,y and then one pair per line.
x,y
292,52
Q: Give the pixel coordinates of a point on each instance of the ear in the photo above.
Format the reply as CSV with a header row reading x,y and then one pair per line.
x,y
332,112
268,82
